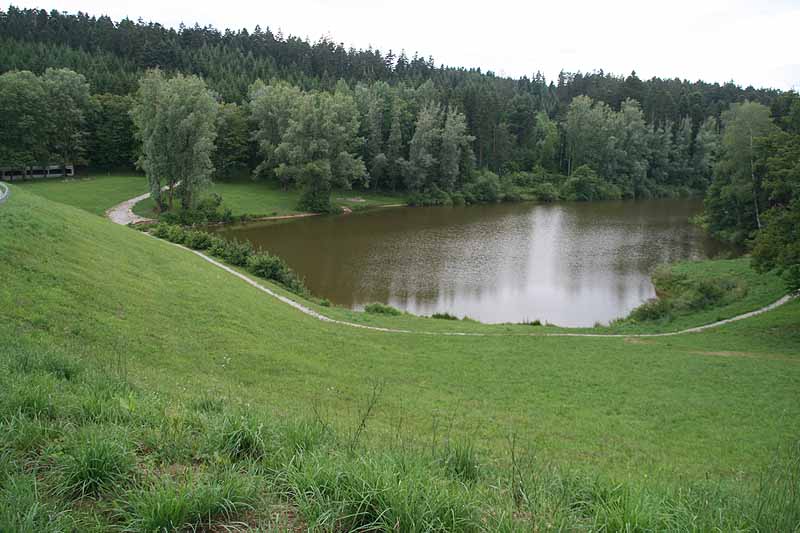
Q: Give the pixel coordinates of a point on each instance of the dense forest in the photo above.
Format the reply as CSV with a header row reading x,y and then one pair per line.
x,y
319,115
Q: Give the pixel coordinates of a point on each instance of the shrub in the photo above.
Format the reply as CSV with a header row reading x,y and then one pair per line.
x,y
511,194
585,185
444,316
216,245
160,230
653,309
233,251
546,192
486,188
197,240
382,309
92,463
208,210
429,197
176,234
274,268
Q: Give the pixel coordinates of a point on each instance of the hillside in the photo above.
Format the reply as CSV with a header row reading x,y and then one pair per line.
x,y
657,414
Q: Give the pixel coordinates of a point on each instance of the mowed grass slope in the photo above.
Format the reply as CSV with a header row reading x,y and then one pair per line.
x,y
715,404
95,193
264,199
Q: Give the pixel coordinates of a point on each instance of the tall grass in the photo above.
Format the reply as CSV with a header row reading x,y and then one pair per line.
x,y
93,461
81,449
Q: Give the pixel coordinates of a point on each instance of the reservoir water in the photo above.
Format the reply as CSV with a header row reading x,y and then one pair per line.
x,y
571,264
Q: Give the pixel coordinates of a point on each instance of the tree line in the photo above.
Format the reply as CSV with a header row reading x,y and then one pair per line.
x,y
316,115
754,198
501,113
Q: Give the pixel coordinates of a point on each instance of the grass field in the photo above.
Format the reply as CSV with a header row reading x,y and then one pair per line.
x,y
95,193
198,380
261,199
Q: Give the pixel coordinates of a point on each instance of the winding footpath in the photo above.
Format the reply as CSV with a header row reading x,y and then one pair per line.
x,y
4,192
123,214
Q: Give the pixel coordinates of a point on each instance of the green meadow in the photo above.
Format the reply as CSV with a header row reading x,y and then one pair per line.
x,y
264,199
144,389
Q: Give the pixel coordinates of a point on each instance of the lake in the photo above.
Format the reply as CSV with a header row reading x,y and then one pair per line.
x,y
571,264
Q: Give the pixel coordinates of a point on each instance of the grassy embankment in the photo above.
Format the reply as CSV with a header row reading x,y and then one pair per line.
x,y
218,402
97,193
94,194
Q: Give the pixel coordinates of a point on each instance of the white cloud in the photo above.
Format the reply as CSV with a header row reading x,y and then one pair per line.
x,y
750,42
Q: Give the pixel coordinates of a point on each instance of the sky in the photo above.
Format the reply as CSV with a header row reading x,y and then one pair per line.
x,y
749,42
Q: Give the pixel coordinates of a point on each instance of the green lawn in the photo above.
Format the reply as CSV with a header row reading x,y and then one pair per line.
x,y
98,192
260,199
95,193
713,407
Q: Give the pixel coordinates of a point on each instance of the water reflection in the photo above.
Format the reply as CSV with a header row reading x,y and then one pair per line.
x,y
568,264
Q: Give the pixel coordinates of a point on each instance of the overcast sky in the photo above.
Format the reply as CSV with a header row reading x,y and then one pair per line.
x,y
750,42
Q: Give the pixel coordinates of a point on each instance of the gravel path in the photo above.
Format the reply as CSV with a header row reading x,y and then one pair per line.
x,y
122,214
319,316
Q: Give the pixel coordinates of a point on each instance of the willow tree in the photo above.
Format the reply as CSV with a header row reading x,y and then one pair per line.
x,y
175,121
271,107
736,197
309,139
69,104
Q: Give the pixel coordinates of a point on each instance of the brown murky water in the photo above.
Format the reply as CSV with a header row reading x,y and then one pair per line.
x,y
571,264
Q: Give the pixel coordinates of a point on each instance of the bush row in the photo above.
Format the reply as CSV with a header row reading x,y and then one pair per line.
x,y
583,185
234,252
209,210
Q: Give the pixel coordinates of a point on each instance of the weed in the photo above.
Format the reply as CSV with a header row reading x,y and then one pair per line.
x,y
460,461
93,462
22,509
243,437
382,309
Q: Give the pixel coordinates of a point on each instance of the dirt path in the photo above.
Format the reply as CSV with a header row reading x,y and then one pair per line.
x,y
122,214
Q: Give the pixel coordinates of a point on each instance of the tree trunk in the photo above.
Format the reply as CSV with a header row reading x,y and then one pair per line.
x,y
753,178
170,193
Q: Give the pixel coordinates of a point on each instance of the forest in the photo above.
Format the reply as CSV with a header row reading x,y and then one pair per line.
x,y
96,92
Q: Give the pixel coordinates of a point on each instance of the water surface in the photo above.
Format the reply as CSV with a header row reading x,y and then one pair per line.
x,y
571,264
